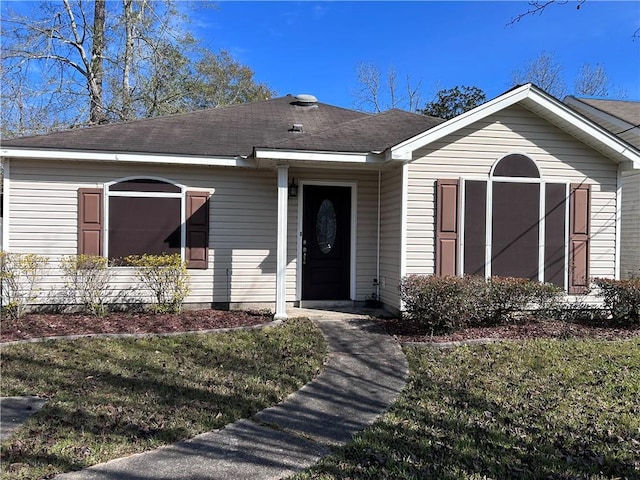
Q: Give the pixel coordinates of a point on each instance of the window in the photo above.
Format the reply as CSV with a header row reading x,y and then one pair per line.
x,y
514,224
145,216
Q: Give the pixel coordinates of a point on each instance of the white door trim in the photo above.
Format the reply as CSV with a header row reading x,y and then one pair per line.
x,y
354,231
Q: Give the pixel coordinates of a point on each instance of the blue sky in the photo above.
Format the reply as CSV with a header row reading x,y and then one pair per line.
x,y
315,47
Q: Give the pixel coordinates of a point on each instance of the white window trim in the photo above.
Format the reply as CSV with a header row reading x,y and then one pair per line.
x,y
490,179
182,196
354,231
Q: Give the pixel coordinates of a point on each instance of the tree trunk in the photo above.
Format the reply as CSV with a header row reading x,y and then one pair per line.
x,y
127,109
96,114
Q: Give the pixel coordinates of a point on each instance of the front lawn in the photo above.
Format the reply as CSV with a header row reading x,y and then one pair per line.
x,y
539,409
108,398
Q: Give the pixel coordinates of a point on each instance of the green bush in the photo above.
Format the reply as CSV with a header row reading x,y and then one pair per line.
x,y
165,276
88,277
621,299
450,303
439,304
20,275
503,300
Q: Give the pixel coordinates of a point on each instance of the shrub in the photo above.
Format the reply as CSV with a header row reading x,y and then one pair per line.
x,y
165,276
502,300
450,303
436,303
621,298
20,275
88,277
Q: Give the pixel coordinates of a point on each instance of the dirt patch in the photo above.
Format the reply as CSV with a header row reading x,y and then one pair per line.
x,y
50,325
407,331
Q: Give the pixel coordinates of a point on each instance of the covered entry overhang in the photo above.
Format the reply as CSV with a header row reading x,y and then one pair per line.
x,y
314,162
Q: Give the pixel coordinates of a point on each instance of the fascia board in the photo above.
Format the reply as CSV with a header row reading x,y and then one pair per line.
x,y
403,150
77,155
596,112
579,121
301,155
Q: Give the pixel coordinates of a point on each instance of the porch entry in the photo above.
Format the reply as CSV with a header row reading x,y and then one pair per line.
x,y
326,242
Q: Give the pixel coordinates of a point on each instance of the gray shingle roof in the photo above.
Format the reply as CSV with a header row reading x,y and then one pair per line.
x,y
624,110
237,129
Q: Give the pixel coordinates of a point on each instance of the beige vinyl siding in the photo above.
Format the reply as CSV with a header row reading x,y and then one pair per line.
x,y
630,251
243,218
390,237
471,152
243,224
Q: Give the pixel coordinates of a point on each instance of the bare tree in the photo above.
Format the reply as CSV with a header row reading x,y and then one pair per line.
x,y
377,93
537,7
65,64
545,72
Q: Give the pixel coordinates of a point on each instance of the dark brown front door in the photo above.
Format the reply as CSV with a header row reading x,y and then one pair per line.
x,y
326,242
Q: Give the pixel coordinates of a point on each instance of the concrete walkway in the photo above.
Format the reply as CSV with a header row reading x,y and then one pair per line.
x,y
364,373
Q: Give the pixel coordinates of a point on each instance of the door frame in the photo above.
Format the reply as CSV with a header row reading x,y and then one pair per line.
x,y
354,222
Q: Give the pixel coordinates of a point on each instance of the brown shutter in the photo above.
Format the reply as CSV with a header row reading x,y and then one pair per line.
x,y
447,227
197,230
579,229
90,221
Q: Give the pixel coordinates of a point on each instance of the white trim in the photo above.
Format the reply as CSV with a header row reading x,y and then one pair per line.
x,y
567,228
461,219
281,253
542,228
348,157
531,96
403,222
6,211
182,196
488,227
354,230
146,194
153,158
619,194
607,117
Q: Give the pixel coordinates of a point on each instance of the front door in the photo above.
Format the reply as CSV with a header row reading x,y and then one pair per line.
x,y
326,242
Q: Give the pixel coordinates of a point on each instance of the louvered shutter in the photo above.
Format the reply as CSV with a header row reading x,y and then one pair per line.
x,y
579,232
447,208
90,221
197,231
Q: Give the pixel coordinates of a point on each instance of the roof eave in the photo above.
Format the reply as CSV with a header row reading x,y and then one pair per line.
x,y
126,157
314,156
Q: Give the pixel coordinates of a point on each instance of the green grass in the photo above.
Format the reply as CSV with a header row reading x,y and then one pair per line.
x,y
541,409
109,398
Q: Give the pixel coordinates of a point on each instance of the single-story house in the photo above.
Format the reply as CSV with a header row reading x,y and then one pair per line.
x,y
621,118
290,201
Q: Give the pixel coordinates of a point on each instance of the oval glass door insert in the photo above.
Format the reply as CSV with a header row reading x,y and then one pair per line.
x,y
326,226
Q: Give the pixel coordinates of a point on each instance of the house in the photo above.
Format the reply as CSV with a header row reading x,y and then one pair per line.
x,y
623,119
293,201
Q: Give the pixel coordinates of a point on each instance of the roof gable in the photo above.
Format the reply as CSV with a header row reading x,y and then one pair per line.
x,y
540,103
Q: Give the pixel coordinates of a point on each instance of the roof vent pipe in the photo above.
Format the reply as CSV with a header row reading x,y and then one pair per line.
x,y
297,127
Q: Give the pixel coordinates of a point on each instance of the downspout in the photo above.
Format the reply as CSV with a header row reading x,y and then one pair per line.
x,y
377,281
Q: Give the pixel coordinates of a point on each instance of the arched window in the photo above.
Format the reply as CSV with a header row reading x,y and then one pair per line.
x,y
145,217
515,223
137,216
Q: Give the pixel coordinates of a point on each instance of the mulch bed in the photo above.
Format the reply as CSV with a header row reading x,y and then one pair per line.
x,y
55,324
407,331
49,325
